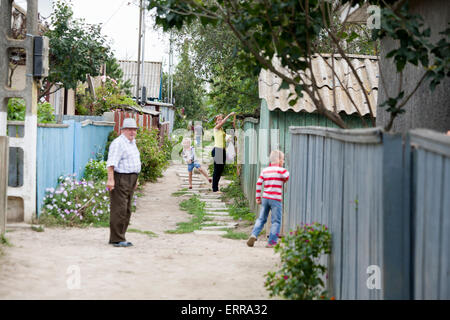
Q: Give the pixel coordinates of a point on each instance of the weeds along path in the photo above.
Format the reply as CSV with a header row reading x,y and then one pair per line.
x,y
45,265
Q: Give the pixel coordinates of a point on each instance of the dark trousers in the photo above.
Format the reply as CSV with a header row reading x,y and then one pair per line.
x,y
219,165
121,199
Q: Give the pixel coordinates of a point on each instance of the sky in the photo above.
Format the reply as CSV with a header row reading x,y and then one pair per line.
x,y
120,19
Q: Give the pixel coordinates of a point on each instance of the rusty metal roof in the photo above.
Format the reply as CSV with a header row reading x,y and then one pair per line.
x,y
330,88
152,75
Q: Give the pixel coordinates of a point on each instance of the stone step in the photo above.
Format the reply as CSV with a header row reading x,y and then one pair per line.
x,y
210,232
216,208
220,224
217,213
195,186
194,182
212,200
210,196
216,218
218,227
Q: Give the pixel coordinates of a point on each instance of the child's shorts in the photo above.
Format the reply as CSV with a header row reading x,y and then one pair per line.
x,y
192,165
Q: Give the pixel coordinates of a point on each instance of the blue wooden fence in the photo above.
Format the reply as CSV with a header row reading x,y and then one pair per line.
x,y
386,204
430,215
66,149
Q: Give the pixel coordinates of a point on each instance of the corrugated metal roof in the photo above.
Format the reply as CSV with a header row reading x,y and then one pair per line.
x,y
367,69
152,75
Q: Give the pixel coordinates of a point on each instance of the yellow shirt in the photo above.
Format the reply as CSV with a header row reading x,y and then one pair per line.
x,y
219,138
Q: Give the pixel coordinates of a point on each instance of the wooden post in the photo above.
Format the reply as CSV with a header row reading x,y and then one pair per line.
x,y
4,166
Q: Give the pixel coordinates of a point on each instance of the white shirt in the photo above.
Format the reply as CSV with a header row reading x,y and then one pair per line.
x,y
124,155
189,154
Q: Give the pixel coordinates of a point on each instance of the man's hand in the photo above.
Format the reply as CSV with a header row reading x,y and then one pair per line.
x,y
110,184
136,186
258,200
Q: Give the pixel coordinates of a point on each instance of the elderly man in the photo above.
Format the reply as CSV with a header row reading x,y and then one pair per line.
x,y
124,165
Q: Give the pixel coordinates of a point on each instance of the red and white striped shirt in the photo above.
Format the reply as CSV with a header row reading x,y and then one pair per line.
x,y
273,177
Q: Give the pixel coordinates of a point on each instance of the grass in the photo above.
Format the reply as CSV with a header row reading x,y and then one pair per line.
x,y
179,193
196,208
149,233
239,208
37,228
4,241
231,234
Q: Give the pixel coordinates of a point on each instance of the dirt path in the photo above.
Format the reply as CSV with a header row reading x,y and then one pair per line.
x,y
169,266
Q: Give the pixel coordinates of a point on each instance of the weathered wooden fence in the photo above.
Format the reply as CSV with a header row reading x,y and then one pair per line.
x,y
430,215
336,179
143,120
4,157
385,202
251,167
66,149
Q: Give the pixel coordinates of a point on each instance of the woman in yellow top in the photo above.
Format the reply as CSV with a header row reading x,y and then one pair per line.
x,y
219,150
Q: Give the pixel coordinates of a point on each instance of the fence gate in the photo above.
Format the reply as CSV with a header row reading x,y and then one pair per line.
x,y
22,193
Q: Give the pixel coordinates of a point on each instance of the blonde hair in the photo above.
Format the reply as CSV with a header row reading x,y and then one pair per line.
x,y
186,142
276,156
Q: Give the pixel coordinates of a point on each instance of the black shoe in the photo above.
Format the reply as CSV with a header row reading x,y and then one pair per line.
x,y
123,244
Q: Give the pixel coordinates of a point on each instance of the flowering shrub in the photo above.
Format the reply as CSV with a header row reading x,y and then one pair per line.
x,y
95,170
299,277
76,203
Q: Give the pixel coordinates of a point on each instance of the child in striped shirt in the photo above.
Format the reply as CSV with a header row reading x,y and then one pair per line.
x,y
273,178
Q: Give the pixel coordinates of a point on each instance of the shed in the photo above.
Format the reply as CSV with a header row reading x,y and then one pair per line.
x,y
152,76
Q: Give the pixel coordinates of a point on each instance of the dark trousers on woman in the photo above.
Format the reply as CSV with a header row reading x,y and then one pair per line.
x,y
121,199
219,165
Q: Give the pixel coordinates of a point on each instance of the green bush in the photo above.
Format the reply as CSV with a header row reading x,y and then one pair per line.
x,y
167,146
299,277
111,136
95,170
17,111
46,113
153,157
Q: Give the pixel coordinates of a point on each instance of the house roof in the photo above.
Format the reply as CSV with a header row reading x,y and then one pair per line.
x,y
367,69
151,79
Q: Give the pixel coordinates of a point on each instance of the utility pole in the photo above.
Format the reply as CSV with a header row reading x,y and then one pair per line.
x,y
143,50
170,79
141,9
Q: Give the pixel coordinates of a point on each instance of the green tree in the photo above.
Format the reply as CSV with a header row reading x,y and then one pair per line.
x,y
215,59
289,31
188,90
76,48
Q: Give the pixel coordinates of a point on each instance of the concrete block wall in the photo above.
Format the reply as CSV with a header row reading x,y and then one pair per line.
x,y
24,195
